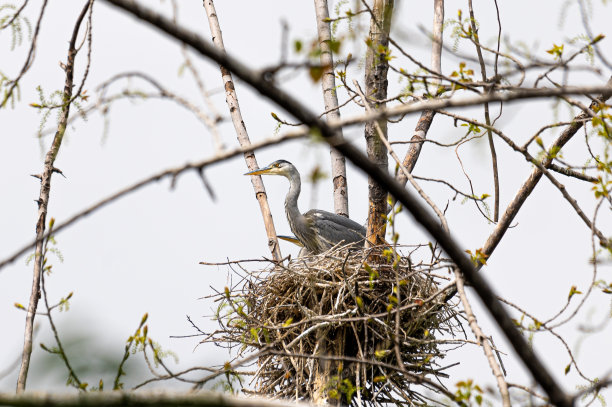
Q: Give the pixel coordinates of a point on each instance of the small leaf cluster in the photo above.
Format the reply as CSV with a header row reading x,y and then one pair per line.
x,y
233,312
315,69
556,51
15,23
468,393
48,247
338,388
6,83
343,15
138,342
472,128
602,127
478,257
464,75
55,101
604,286
461,28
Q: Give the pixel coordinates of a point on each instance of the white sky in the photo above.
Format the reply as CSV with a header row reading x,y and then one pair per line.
x,y
141,253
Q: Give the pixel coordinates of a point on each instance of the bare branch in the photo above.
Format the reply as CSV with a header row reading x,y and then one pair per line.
x,y
29,60
475,39
43,201
137,399
484,342
168,173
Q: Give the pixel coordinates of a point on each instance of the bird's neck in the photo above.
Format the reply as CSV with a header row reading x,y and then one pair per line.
x,y
291,200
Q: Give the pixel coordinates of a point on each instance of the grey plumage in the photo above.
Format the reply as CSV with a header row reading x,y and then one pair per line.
x,y
317,230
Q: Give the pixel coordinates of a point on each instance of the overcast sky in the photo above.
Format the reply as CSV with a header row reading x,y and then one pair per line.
x,y
141,253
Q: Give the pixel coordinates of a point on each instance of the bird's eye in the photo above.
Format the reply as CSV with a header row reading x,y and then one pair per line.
x,y
277,165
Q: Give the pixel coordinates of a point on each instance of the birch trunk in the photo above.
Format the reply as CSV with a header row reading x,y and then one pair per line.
x,y
241,132
330,97
422,127
338,165
376,90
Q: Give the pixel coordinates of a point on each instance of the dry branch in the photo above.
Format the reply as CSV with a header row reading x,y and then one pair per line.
x,y
136,399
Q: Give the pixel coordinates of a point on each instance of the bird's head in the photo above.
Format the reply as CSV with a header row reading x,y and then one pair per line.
x,y
278,167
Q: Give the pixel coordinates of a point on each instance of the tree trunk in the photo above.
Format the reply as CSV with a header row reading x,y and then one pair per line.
x,y
376,90
330,97
324,368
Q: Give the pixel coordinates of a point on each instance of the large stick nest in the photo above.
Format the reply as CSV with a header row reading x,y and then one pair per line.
x,y
341,325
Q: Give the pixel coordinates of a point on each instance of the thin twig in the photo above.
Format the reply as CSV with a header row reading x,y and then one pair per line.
x,y
30,59
167,173
475,39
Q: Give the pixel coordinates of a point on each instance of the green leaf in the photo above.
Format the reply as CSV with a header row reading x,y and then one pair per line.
x,y
298,45
556,51
573,290
359,302
334,45
315,72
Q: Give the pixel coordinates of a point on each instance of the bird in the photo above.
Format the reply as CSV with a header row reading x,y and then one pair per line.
x,y
317,230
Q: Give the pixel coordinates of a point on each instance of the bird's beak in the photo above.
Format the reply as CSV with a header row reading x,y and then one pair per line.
x,y
259,171
291,239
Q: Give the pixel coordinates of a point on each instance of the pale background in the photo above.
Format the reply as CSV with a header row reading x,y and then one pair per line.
x,y
141,253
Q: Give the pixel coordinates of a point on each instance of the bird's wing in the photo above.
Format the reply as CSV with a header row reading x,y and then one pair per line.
x,y
338,219
335,228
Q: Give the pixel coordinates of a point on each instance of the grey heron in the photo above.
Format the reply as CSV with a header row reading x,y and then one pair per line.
x,y
317,230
